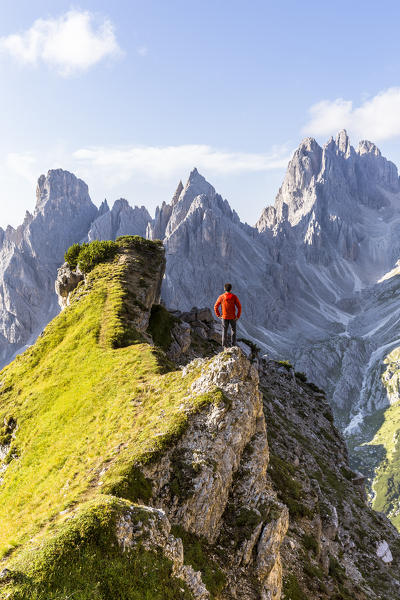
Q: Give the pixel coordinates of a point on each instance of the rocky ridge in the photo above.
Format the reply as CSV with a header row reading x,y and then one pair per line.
x,y
263,475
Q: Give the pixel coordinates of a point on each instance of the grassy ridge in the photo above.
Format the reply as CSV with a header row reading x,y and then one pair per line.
x,y
87,412
386,485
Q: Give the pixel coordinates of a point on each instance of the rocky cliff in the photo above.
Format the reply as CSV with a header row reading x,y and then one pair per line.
x,y
31,254
224,478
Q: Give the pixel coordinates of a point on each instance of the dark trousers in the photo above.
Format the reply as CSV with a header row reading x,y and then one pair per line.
x,y
225,326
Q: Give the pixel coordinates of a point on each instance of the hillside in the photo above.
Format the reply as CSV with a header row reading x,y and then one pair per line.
x,y
126,476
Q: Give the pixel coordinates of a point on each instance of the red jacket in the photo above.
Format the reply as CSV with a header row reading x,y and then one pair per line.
x,y
228,302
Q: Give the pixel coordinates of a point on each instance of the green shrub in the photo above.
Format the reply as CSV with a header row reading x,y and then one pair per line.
x,y
160,324
315,388
285,363
197,554
310,543
71,255
94,253
313,571
289,490
329,416
86,256
336,570
292,589
301,376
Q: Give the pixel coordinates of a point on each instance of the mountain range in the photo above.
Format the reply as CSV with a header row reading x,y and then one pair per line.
x,y
317,275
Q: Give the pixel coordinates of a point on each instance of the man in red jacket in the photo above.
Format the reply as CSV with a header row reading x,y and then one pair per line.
x,y
229,303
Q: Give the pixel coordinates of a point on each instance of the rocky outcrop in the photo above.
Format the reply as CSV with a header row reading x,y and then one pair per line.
x,y
197,324
143,284
264,480
66,281
218,470
151,528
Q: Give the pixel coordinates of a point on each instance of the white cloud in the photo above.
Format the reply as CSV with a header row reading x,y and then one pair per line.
x,y
164,162
72,43
377,118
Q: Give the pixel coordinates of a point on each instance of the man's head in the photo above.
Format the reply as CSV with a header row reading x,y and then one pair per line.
x,y
228,287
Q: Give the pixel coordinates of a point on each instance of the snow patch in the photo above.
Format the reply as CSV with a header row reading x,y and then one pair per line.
x,y
354,424
383,552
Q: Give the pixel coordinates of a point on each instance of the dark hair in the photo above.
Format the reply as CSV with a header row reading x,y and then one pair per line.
x,y
228,287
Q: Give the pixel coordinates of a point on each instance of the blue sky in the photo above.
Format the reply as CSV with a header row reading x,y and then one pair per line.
x,y
129,95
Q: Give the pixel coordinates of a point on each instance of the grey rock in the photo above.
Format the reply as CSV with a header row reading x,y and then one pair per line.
x,y
122,219
31,254
66,282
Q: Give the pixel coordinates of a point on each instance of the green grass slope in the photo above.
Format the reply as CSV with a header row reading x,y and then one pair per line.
x,y
386,485
82,409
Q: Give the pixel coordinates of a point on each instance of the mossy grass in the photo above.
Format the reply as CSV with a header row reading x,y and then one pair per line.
x,y
197,554
82,559
289,489
92,403
160,326
291,588
285,363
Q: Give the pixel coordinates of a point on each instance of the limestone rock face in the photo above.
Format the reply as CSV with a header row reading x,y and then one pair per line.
x,y
142,284
122,219
66,282
154,533
261,475
331,527
221,463
31,254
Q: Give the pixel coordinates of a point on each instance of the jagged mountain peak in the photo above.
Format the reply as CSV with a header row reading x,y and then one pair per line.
x,y
103,208
120,204
340,145
178,192
343,143
60,185
122,219
367,147
308,144
198,184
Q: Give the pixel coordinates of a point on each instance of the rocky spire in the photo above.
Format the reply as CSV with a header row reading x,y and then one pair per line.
x,y
60,186
104,208
178,191
343,143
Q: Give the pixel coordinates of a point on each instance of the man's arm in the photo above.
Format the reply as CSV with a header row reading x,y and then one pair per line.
x,y
239,307
216,307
